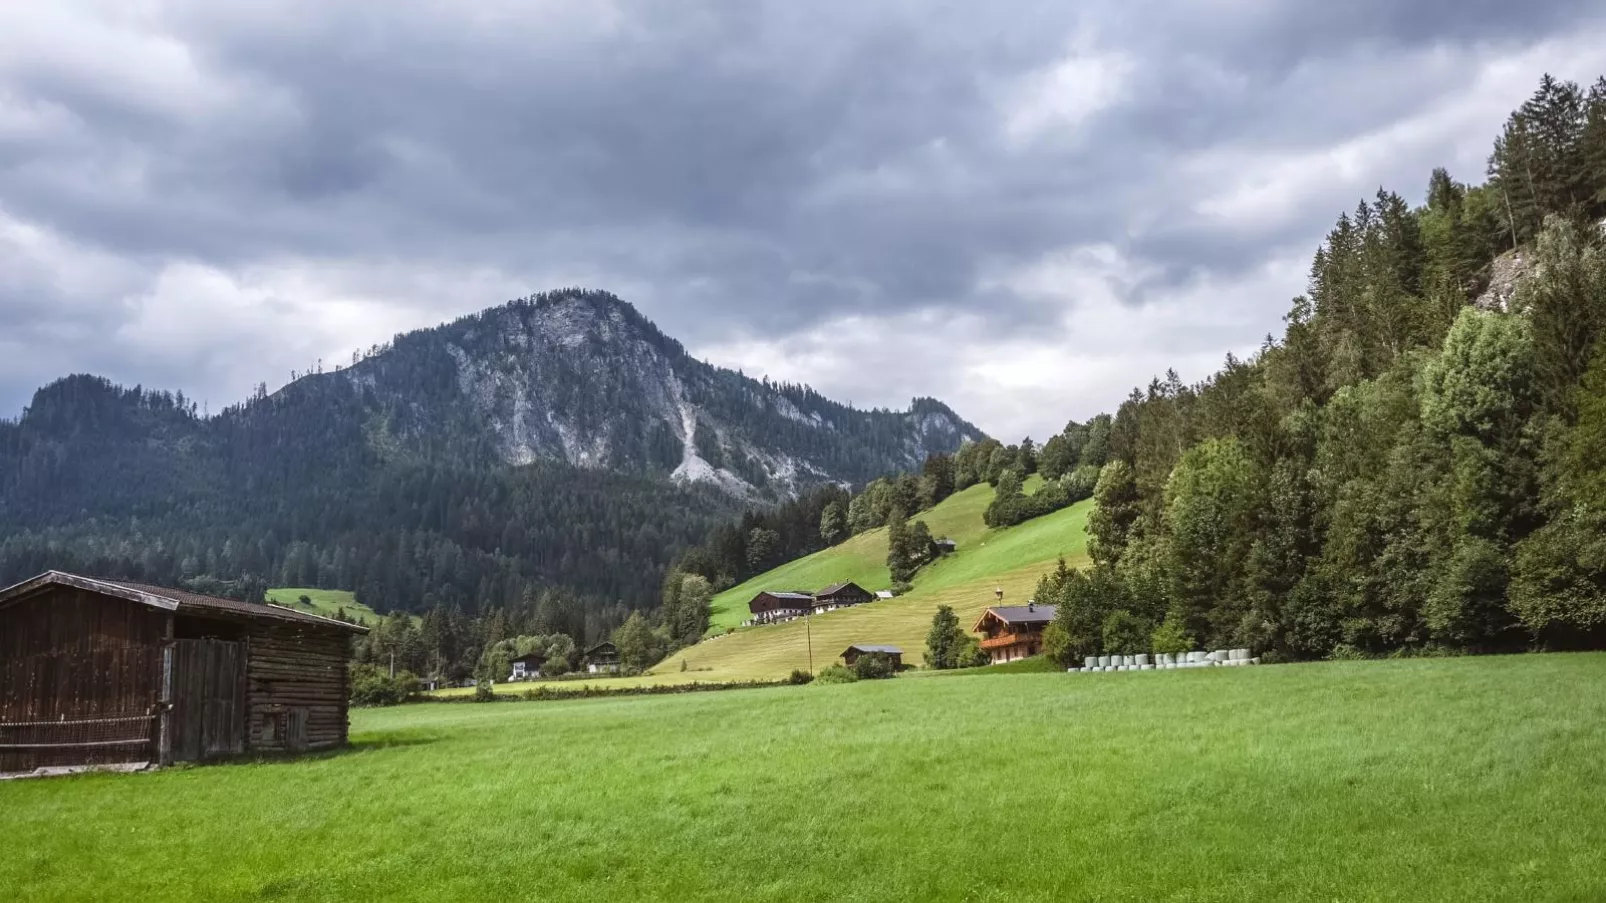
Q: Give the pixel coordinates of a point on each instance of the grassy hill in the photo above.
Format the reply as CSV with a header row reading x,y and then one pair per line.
x,y
1012,558
1427,779
325,602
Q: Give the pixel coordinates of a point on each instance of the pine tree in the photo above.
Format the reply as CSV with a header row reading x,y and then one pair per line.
x,y
945,641
1592,146
900,561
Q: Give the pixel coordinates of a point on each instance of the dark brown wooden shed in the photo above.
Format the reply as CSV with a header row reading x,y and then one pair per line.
x,y
852,653
105,672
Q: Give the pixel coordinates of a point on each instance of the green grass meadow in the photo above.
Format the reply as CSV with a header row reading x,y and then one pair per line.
x,y
1450,779
325,602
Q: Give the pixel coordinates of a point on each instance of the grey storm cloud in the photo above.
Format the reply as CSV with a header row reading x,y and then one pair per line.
x,y
737,168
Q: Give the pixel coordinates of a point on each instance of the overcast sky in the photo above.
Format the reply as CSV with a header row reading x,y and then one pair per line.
x,y
1021,208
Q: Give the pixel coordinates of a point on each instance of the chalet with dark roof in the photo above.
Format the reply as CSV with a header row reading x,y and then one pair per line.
x,y
841,595
602,658
111,672
528,666
771,607
1012,632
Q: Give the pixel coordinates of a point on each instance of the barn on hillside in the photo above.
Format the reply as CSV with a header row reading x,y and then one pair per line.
x,y
106,672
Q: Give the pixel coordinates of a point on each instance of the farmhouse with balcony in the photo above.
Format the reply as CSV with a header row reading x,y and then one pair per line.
x,y
1011,632
602,658
841,595
112,673
528,666
770,607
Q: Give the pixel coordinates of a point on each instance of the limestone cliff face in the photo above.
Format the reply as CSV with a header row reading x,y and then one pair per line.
x,y
581,377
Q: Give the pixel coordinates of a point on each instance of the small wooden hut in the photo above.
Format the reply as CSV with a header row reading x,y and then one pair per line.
x,y
106,672
852,653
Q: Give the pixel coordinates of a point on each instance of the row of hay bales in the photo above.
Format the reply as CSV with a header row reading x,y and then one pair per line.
x,y
1167,661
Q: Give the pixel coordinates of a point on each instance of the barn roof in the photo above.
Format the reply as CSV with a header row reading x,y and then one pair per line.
x,y
873,647
604,645
171,600
791,596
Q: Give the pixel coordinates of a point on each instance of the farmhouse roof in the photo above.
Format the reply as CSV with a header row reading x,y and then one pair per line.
x,y
171,600
529,658
835,588
605,645
1019,614
873,647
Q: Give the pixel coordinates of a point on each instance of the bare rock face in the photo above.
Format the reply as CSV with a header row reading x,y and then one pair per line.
x,y
582,378
1506,276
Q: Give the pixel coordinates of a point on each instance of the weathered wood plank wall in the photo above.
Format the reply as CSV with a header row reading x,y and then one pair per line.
x,y
80,668
297,688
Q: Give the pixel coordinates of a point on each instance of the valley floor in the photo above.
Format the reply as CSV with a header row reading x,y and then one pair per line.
x,y
1457,779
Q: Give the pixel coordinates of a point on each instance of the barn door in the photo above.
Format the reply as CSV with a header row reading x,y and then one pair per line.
x,y
208,693
90,704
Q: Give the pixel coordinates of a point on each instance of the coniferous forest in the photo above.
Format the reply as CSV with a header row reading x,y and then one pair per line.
x,y
1417,466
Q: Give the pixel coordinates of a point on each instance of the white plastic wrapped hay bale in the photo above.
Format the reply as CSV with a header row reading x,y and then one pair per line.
x,y
1143,658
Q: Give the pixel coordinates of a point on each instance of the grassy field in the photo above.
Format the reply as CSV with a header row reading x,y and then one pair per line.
x,y
1459,779
1012,559
325,602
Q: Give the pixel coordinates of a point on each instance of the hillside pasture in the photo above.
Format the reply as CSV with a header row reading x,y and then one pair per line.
x,y
862,559
1449,779
1012,559
326,602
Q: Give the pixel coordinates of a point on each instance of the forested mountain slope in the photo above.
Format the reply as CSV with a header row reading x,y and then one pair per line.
x,y
552,454
1417,466
1404,471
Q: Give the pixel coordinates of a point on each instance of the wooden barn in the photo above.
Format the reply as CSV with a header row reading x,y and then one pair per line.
x,y
107,672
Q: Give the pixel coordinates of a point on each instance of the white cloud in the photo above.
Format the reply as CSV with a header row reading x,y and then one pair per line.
x,y
1054,102
1269,184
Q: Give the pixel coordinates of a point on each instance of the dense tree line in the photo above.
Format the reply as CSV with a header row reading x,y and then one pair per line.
x,y
1404,471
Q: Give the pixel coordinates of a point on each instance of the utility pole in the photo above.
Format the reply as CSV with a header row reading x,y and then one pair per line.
x,y
809,632
392,664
